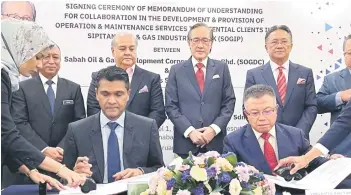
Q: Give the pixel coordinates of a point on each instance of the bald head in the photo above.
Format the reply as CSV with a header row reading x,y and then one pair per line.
x,y
23,10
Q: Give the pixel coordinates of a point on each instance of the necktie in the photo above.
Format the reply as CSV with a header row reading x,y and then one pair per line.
x,y
51,95
269,153
113,158
200,76
281,83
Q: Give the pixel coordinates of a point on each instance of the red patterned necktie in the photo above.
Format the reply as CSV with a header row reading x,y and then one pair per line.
x,y
200,76
281,84
269,153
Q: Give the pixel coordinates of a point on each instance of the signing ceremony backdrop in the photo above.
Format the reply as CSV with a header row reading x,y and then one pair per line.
x,y
84,29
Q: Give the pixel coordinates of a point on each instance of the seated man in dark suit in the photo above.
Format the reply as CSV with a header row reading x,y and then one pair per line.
x,y
262,142
117,144
146,98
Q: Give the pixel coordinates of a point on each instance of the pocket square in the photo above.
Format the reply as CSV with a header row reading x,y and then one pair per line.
x,y
68,102
144,89
215,76
301,81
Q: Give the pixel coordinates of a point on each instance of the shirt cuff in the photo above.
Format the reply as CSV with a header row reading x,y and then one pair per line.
x,y
322,148
216,128
188,131
338,100
142,170
44,149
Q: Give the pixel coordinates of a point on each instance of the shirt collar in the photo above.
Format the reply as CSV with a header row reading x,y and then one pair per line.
x,y
194,61
272,132
44,79
104,120
275,66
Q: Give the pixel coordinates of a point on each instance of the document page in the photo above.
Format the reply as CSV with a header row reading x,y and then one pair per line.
x,y
326,176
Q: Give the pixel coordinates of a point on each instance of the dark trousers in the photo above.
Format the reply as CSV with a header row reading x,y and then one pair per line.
x,y
199,151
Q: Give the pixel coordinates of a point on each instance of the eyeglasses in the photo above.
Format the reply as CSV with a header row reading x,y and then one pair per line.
x,y
15,16
277,42
203,40
256,114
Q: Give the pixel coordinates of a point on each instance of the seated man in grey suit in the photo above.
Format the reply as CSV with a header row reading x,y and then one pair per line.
x,y
293,83
335,93
116,143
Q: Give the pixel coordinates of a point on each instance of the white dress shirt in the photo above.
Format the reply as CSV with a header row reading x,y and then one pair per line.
x,y
105,132
46,86
272,140
275,70
213,126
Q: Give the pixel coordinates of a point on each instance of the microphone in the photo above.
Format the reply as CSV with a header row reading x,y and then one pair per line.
x,y
89,185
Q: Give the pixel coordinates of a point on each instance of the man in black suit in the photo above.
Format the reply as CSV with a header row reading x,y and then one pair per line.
x,y
146,98
116,143
44,106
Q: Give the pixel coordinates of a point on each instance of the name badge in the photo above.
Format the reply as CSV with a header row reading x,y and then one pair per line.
x,y
68,102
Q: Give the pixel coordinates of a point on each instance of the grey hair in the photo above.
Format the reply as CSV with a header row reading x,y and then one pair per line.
x,y
278,27
258,91
346,39
114,40
197,26
34,12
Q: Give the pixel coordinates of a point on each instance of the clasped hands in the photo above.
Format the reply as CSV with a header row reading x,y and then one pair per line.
x,y
82,166
202,136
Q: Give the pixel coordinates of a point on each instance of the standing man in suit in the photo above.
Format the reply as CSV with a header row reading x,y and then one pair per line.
x,y
113,144
335,93
44,105
146,98
264,141
200,98
293,83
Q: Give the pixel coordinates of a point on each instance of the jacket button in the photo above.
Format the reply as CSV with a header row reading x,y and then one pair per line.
x,y
202,103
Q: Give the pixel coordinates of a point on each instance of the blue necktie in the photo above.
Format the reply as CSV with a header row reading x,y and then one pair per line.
x,y
51,95
113,158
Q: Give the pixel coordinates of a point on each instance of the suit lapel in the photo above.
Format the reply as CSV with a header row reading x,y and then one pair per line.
x,y
267,74
96,140
128,136
189,69
42,94
210,70
136,80
61,88
347,78
292,80
282,141
254,150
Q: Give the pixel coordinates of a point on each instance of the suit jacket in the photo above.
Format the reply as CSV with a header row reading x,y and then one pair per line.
x,y
291,141
149,104
332,84
339,130
13,145
300,108
32,114
186,106
84,138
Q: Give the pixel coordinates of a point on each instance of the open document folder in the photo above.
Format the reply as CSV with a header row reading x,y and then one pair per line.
x,y
112,188
327,176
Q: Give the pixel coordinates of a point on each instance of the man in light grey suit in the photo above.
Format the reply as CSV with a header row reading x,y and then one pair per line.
x,y
335,93
200,98
292,83
116,143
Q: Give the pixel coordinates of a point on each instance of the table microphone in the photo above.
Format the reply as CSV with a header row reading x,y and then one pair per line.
x,y
42,188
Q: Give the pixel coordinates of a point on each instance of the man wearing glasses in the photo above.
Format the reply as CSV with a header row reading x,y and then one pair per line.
x,y
21,10
293,83
200,98
335,93
44,106
264,141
